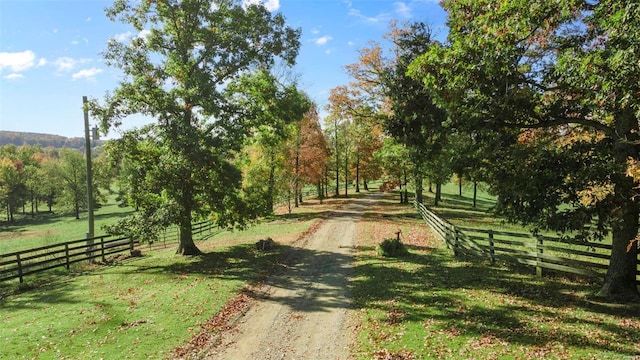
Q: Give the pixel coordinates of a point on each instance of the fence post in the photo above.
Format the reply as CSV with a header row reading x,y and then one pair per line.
x,y
102,249
455,241
131,245
539,260
66,255
492,249
19,268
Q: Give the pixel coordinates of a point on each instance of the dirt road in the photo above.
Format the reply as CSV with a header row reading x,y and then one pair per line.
x,y
305,311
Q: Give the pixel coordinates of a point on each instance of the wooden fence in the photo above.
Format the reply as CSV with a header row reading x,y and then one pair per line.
x,y
542,252
26,262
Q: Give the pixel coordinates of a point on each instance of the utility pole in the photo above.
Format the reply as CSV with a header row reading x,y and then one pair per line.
x,y
87,145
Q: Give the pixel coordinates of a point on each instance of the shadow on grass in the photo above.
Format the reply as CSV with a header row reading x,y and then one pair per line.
x,y
476,300
50,288
42,218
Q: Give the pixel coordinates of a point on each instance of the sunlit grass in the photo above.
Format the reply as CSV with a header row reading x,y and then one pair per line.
x,y
430,305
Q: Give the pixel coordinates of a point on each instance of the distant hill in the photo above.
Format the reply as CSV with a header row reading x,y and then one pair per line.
x,y
45,140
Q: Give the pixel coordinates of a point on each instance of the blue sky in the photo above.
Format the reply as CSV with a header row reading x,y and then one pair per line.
x,y
50,52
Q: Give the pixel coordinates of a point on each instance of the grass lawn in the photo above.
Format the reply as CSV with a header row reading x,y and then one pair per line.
x,y
46,228
138,308
429,305
423,305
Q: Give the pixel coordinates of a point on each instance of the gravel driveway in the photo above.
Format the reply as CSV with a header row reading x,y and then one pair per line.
x,y
306,309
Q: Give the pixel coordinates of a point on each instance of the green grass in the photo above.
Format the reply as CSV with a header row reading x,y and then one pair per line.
x,y
139,308
430,305
46,229
425,304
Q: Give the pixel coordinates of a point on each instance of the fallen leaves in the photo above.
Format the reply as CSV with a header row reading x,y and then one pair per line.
x,y
223,320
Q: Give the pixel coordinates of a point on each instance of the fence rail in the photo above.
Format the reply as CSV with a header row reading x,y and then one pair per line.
x,y
542,252
27,262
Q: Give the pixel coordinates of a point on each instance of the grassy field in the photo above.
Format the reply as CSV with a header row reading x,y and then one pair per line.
x,y
429,305
424,305
138,308
46,229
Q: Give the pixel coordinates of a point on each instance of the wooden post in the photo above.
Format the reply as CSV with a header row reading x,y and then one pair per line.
x,y
87,147
492,249
102,249
19,268
455,241
539,260
66,255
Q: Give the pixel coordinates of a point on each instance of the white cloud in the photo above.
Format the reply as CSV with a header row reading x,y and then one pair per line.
x,y
350,43
89,19
14,76
122,37
75,42
42,62
380,18
144,34
66,64
323,40
403,9
88,74
271,5
17,61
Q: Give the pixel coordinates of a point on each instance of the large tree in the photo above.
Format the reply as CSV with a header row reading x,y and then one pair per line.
x,y
312,153
415,120
565,74
176,72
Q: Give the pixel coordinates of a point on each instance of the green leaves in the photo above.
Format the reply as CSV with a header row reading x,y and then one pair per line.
x,y
177,70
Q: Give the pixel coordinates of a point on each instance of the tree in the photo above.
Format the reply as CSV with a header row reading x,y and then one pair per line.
x,y
415,120
177,74
71,171
564,73
12,185
272,107
313,151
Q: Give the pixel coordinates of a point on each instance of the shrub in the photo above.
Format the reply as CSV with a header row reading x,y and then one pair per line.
x,y
391,248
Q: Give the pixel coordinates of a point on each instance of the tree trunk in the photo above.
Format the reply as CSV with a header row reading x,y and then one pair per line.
x,y
346,173
358,172
186,246
475,194
320,191
272,182
335,124
366,186
298,192
460,185
418,181
406,188
33,205
438,197
620,280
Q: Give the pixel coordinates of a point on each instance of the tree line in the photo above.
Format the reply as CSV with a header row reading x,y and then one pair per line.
x,y
34,179
537,100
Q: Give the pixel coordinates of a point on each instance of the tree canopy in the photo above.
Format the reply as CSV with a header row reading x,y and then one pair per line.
x,y
561,79
177,72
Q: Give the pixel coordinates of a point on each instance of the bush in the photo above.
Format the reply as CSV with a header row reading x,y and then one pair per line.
x,y
392,248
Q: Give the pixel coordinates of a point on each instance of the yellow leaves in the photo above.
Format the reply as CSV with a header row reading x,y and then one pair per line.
x,y
633,169
595,193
